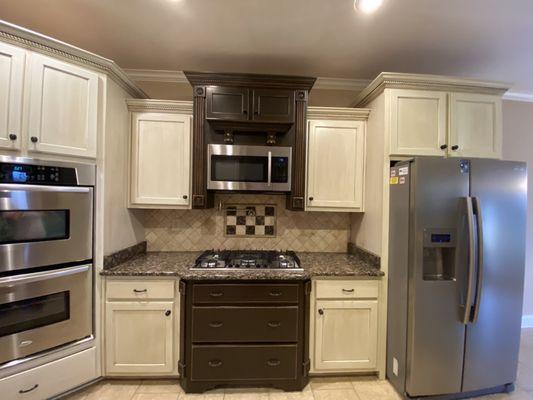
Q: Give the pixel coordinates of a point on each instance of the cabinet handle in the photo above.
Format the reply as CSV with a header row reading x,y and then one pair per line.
x,y
12,136
275,293
443,146
140,290
216,294
215,363
273,362
168,312
184,197
22,391
311,198
215,324
34,139
274,324
455,147
320,311
348,290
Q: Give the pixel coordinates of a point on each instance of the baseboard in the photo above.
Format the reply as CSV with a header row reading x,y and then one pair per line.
x,y
527,321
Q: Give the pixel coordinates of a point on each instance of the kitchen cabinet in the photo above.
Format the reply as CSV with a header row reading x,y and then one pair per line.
x,y
11,84
335,164
344,326
63,108
160,163
141,327
227,103
273,105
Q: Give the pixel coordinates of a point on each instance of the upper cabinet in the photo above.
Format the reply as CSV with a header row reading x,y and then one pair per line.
x,y
273,105
160,163
227,103
11,84
335,159
438,116
63,108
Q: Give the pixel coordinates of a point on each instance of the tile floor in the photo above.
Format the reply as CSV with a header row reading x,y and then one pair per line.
x,y
353,388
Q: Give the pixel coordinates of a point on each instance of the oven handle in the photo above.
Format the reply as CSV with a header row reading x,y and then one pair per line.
x,y
269,183
44,188
41,276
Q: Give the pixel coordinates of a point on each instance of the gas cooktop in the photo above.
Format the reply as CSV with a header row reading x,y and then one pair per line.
x,y
248,259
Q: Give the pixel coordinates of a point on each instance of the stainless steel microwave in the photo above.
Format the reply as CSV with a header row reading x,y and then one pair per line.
x,y
259,168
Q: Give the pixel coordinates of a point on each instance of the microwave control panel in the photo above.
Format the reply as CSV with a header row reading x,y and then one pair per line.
x,y
37,174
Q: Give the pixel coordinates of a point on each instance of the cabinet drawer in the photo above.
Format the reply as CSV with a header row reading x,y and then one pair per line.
x,y
245,324
140,289
245,293
346,289
243,363
50,379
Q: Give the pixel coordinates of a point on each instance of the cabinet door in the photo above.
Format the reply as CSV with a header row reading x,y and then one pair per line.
x,y
227,103
335,165
63,108
417,122
139,337
273,105
160,162
475,125
11,84
345,335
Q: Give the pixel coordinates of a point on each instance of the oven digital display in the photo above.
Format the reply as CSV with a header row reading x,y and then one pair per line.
x,y
19,176
441,238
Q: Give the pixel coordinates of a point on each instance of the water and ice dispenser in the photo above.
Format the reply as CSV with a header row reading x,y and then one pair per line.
x,y
439,254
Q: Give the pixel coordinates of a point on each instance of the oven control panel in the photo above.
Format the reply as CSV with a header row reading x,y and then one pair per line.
x,y
37,174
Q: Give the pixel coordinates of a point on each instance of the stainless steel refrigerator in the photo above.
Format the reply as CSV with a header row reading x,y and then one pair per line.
x,y
456,271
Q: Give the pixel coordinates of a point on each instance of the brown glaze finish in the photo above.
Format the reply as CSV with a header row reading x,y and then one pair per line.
x,y
249,342
246,293
227,103
263,324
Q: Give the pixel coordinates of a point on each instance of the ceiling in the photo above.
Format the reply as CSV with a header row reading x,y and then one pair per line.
x,y
486,39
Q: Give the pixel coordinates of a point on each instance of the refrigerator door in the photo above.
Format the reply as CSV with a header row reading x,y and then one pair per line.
x,y
437,267
493,335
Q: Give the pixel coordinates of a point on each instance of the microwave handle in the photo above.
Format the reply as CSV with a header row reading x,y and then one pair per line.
x,y
41,276
44,188
269,183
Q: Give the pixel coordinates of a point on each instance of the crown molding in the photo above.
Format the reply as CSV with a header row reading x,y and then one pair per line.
x,y
355,85
168,106
519,96
37,42
338,113
394,80
157,75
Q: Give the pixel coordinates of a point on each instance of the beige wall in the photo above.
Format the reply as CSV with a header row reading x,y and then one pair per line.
x,y
518,145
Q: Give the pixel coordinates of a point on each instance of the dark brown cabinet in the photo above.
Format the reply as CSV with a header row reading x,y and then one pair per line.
x,y
273,105
227,103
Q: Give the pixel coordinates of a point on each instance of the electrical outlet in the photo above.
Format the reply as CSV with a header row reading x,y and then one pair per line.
x,y
395,366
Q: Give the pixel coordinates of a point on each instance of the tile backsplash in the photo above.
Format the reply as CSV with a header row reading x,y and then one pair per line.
x,y
183,230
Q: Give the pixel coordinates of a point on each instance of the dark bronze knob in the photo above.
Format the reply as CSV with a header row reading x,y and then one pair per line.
x,y
12,136
215,363
311,198
168,312
273,362
34,139
320,311
275,293
274,324
216,294
443,146
185,197
455,147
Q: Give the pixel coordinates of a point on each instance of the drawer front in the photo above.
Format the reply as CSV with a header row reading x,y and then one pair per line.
x,y
245,324
241,363
347,289
245,293
140,289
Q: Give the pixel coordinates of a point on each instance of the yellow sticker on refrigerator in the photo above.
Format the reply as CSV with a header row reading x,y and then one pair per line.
x,y
393,180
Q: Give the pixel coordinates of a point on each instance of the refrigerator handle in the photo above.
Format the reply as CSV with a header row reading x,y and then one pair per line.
x,y
479,257
471,259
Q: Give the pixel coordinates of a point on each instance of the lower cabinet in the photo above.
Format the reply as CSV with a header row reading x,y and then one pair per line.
x,y
140,330
345,326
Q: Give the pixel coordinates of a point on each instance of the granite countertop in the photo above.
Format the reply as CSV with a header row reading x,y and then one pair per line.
x,y
178,263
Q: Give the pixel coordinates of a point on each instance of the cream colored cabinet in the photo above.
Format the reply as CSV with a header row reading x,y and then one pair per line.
x,y
335,165
344,326
139,337
475,125
11,85
418,120
63,108
160,160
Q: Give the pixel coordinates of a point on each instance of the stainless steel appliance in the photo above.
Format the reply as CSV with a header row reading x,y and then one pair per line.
x,y
456,270
46,251
248,259
264,168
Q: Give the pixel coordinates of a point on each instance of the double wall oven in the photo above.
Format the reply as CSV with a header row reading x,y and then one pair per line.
x,y
46,253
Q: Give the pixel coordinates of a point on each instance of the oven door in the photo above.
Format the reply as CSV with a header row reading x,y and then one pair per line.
x,y
42,310
262,168
44,225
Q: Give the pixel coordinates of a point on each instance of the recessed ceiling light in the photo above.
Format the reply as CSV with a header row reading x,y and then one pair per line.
x,y
367,6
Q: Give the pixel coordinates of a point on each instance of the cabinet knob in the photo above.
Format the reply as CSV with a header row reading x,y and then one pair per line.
x,y
455,147
443,146
168,312
320,311
185,197
34,139
311,198
12,136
